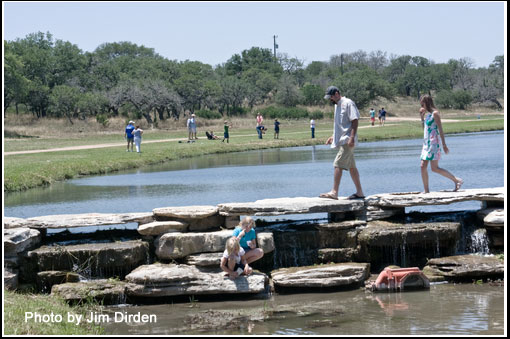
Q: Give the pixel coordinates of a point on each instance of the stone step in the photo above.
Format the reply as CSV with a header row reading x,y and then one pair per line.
x,y
162,280
89,260
172,246
321,276
103,291
435,198
85,219
282,206
17,240
465,268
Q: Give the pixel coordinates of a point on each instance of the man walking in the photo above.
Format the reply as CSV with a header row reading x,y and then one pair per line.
x,y
344,138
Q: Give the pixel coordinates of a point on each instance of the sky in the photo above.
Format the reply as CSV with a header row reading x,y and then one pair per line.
x,y
310,31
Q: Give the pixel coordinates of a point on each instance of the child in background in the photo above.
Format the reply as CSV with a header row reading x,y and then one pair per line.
x,y
276,129
431,151
233,261
372,116
225,133
137,133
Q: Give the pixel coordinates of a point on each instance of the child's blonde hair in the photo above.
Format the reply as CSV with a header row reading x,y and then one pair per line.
x,y
246,222
232,246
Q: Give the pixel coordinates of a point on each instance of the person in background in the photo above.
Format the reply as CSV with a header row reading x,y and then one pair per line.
x,y
192,127
128,135
312,127
226,126
372,116
431,150
260,127
382,118
276,129
138,138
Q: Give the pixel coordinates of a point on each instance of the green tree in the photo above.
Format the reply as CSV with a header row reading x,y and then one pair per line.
x,y
288,93
312,94
363,86
64,101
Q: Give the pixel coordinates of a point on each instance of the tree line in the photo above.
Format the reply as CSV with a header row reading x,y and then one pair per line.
x,y
54,78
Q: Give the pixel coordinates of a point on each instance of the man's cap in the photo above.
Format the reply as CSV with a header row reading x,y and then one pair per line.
x,y
331,91
131,122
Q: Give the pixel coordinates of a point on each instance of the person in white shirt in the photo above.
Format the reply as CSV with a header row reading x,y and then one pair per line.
x,y
344,138
312,127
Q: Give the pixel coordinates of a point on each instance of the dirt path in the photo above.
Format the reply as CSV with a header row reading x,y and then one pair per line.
x,y
74,148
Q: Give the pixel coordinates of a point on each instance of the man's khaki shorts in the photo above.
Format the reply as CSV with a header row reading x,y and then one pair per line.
x,y
345,158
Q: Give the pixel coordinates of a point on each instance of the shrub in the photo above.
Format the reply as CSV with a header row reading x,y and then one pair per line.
x,y
101,118
316,115
206,114
458,99
279,112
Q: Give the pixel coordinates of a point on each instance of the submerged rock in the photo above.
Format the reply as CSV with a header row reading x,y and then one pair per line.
x,y
332,275
160,280
465,267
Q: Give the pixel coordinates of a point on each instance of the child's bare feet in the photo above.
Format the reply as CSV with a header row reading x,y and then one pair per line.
x,y
458,185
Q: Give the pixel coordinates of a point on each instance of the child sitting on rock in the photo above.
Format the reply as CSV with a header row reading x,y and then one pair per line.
x,y
233,261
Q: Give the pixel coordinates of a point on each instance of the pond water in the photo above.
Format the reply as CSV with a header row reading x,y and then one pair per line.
x,y
385,166
445,309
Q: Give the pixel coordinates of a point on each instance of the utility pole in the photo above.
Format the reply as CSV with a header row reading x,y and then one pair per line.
x,y
275,46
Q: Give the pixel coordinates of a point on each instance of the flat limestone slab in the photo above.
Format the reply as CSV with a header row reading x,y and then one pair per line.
x,y
462,267
186,212
10,222
159,280
161,227
435,198
332,275
283,206
86,219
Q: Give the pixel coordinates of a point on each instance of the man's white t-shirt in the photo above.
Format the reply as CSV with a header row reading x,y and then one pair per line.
x,y
345,112
312,123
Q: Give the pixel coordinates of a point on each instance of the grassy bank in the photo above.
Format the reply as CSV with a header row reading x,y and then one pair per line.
x,y
16,306
27,171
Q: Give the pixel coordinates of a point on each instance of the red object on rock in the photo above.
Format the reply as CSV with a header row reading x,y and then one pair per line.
x,y
399,279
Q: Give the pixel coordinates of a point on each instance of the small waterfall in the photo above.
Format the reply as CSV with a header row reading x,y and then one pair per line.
x,y
479,241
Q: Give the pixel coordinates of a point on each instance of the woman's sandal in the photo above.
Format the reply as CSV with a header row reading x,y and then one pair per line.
x,y
355,196
328,195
